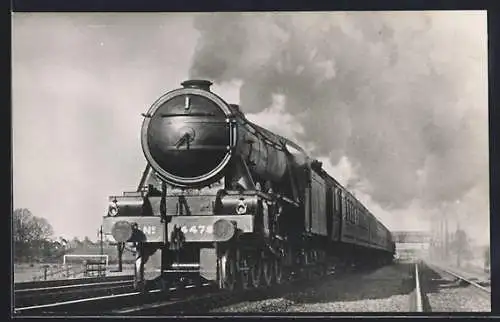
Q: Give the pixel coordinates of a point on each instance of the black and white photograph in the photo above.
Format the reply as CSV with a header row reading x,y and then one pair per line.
x,y
250,163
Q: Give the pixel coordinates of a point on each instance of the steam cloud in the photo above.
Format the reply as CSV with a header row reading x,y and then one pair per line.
x,y
402,96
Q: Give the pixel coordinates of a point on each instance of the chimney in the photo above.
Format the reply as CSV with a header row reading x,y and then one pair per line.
x,y
197,83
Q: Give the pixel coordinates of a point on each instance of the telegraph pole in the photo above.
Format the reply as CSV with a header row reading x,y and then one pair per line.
x,y
459,246
441,237
446,245
101,240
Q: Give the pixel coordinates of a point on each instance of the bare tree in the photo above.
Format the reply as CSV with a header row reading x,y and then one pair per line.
x,y
30,233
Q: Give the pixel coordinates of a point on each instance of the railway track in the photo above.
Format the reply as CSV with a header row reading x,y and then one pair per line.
x,y
442,289
175,300
197,303
64,282
486,290
185,299
33,294
407,294
89,304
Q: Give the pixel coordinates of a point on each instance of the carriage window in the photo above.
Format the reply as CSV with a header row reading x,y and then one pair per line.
x,y
348,211
344,208
351,215
347,208
339,198
335,199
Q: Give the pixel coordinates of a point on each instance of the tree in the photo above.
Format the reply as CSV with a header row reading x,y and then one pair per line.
x,y
30,233
63,242
87,242
75,243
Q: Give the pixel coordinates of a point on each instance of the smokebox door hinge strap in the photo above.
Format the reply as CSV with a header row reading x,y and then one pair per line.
x,y
163,202
183,204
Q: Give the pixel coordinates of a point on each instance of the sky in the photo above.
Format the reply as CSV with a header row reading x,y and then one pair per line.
x,y
393,103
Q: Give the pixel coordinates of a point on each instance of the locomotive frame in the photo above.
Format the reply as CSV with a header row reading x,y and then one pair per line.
x,y
250,208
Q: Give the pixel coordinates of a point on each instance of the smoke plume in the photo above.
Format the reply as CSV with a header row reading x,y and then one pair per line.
x,y
401,96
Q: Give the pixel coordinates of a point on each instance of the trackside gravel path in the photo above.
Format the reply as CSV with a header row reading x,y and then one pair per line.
x,y
386,289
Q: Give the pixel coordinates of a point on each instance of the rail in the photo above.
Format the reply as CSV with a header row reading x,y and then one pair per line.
x,y
67,287
96,301
195,297
73,281
466,280
418,291
41,296
445,290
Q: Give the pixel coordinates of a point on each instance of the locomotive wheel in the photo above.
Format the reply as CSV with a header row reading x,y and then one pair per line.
x,y
163,284
198,281
244,279
228,265
324,268
139,285
314,269
278,271
267,271
244,272
309,265
255,272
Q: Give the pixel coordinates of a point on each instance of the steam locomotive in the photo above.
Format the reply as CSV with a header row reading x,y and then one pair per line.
x,y
226,201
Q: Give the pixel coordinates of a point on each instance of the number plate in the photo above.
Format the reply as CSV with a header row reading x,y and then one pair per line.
x,y
197,229
200,228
